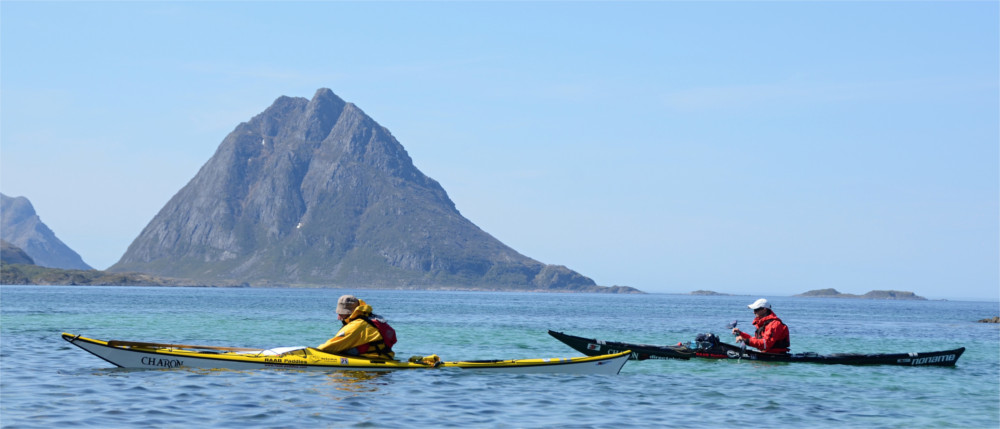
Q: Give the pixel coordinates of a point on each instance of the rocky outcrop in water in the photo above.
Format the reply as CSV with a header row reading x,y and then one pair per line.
x,y
708,293
875,294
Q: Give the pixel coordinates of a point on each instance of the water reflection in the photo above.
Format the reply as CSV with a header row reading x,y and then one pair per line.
x,y
355,381
350,390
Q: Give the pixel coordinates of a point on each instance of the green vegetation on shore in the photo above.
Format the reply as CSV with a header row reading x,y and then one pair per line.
x,y
22,274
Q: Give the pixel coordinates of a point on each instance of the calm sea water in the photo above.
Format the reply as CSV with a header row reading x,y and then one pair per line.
x,y
46,382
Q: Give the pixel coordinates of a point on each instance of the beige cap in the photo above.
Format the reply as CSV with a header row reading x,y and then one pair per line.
x,y
346,304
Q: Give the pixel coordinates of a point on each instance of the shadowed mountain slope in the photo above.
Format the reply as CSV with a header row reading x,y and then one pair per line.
x,y
22,228
11,254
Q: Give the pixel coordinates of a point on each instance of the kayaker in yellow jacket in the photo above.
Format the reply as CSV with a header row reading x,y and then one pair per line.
x,y
357,337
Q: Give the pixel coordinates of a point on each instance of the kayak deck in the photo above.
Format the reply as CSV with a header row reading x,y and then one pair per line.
x,y
141,355
719,350
935,358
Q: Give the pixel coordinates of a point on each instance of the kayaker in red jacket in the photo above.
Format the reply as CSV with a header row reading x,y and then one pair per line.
x,y
771,335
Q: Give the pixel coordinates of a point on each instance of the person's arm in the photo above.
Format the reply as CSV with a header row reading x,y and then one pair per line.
x,y
349,336
740,334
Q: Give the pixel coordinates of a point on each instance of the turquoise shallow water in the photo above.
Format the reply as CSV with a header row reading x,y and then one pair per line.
x,y
46,382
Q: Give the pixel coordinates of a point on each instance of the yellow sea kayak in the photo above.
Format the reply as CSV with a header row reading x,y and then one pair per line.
x,y
141,355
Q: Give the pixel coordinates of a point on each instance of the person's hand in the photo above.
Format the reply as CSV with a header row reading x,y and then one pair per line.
x,y
740,339
736,331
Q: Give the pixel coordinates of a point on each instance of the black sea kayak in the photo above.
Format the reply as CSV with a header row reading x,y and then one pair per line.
x,y
709,347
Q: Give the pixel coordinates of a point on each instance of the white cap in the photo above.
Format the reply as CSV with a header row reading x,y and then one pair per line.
x,y
760,303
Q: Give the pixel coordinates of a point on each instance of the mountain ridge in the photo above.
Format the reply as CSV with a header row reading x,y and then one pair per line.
x,y
24,229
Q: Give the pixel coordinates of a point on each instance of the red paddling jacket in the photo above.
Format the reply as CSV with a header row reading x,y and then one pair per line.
x,y
771,335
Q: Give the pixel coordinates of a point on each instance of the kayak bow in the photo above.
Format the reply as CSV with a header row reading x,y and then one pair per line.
x,y
592,347
139,355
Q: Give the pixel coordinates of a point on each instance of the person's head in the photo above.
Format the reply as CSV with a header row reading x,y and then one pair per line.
x,y
760,307
346,305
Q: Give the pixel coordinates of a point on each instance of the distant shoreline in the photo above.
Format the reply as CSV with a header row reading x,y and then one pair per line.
x,y
34,275
709,293
833,293
875,294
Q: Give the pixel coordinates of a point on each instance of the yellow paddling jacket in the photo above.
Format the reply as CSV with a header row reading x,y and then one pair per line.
x,y
356,332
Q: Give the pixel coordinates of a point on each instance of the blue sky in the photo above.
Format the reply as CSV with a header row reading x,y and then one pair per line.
x,y
762,148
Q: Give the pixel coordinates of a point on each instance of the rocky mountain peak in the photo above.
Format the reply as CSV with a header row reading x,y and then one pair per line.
x,y
315,192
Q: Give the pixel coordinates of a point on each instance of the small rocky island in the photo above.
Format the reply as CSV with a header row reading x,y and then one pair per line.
x,y
875,294
994,319
708,293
